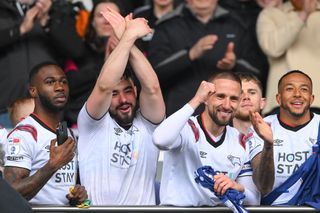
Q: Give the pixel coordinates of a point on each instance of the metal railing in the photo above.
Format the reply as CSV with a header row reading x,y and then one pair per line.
x,y
44,209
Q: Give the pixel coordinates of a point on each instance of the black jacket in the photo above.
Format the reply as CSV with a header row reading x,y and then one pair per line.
x,y
18,54
82,80
175,34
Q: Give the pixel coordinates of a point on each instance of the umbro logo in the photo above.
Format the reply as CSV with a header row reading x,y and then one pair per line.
x,y
117,131
132,130
203,154
277,142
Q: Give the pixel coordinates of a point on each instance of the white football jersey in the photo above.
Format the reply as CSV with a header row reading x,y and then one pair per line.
x,y
117,166
197,149
291,147
27,147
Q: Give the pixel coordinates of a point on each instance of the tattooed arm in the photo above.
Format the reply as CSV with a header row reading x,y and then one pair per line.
x,y
263,163
263,170
29,186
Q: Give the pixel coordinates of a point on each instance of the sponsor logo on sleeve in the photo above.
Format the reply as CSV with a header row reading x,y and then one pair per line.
x,y
13,146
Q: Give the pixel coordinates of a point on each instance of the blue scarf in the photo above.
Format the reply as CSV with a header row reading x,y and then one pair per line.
x,y
308,175
232,198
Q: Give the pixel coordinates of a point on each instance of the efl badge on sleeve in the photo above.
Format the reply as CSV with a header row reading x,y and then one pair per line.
x,y
14,146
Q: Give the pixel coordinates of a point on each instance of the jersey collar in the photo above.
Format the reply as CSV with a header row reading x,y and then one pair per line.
x,y
296,128
213,143
42,123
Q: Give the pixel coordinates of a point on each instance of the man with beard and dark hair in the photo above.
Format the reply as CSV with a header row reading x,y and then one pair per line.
x,y
191,142
284,141
35,166
251,101
118,161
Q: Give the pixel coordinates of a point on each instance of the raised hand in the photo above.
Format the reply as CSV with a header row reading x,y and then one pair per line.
x,y
304,7
137,27
309,6
205,90
261,127
229,60
204,44
29,20
116,21
44,7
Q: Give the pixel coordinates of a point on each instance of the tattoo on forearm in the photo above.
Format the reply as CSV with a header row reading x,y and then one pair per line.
x,y
27,186
266,171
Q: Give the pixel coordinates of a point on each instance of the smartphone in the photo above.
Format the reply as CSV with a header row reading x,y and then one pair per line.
x,y
62,132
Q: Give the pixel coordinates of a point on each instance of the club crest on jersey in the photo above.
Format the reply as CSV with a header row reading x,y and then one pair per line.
x,y
313,140
277,142
234,160
13,146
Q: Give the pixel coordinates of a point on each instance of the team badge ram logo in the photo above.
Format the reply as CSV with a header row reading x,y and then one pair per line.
x,y
313,140
234,160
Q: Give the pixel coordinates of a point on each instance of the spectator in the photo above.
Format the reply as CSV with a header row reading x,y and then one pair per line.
x,y
190,142
130,6
83,71
26,35
152,12
284,141
251,101
118,160
287,36
267,3
190,44
20,109
38,169
246,12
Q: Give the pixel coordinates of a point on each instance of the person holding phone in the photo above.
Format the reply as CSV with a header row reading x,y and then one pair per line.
x,y
35,165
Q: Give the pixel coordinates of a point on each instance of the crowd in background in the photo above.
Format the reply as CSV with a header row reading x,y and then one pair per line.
x,y
66,33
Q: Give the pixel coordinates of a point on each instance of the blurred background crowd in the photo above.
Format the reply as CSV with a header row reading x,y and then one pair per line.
x,y
189,42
